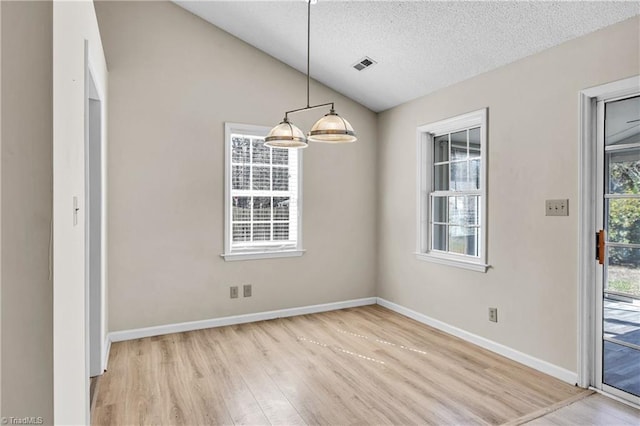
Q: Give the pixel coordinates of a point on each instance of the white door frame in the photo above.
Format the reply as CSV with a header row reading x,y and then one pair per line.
x,y
94,220
588,269
73,24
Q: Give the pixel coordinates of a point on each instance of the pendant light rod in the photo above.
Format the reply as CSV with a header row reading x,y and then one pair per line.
x,y
309,106
308,49
286,114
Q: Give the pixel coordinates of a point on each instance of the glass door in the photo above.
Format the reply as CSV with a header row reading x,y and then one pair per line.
x,y
619,248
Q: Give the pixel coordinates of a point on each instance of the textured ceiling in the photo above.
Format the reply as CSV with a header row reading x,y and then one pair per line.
x,y
419,46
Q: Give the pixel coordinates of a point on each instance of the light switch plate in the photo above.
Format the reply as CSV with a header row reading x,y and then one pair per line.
x,y
556,208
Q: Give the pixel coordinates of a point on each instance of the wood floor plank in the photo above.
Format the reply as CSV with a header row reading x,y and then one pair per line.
x,y
227,380
275,405
594,410
298,377
364,365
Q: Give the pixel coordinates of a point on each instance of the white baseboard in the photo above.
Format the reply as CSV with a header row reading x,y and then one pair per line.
x,y
538,364
119,336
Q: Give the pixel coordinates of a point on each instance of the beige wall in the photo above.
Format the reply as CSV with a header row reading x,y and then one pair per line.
x,y
26,202
532,156
173,81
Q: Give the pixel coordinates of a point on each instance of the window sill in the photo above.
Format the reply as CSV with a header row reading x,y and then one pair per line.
x,y
232,257
459,263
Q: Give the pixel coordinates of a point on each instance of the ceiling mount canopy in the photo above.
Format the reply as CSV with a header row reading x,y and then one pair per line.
x,y
329,129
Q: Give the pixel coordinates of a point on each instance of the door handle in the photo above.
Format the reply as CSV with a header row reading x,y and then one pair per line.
x,y
600,245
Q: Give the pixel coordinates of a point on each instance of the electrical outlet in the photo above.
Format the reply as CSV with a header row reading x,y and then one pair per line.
x,y
493,314
556,207
247,290
233,292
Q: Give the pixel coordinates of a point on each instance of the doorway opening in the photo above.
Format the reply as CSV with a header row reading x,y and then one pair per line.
x,y
609,358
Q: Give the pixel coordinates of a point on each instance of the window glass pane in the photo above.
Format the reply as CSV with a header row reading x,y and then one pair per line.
x,y
262,208
239,149
463,240
240,177
624,171
457,238
280,156
621,365
459,145
623,270
241,232
620,127
459,176
463,210
263,189
261,231
474,205
441,177
474,174
281,231
440,237
441,148
624,220
456,211
241,209
472,242
440,209
262,178
261,153
474,142
280,178
281,208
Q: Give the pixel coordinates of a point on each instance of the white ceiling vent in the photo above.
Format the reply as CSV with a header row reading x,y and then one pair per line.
x,y
364,63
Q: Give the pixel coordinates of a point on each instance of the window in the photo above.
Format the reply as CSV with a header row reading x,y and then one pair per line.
x,y
262,196
452,191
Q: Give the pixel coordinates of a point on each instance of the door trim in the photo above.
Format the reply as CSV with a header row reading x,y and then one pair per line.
x,y
94,219
588,98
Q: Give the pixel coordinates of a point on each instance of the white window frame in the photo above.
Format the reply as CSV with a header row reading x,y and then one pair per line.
x,y
265,251
425,137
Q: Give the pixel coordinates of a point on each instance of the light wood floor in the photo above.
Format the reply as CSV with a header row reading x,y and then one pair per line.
x,y
363,365
595,410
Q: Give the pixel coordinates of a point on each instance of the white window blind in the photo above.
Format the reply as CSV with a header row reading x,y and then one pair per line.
x,y
263,194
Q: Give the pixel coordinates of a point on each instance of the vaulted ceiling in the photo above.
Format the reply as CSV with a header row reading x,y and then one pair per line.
x,y
418,46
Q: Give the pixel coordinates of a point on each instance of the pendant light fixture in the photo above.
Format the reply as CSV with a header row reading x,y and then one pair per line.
x,y
329,129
